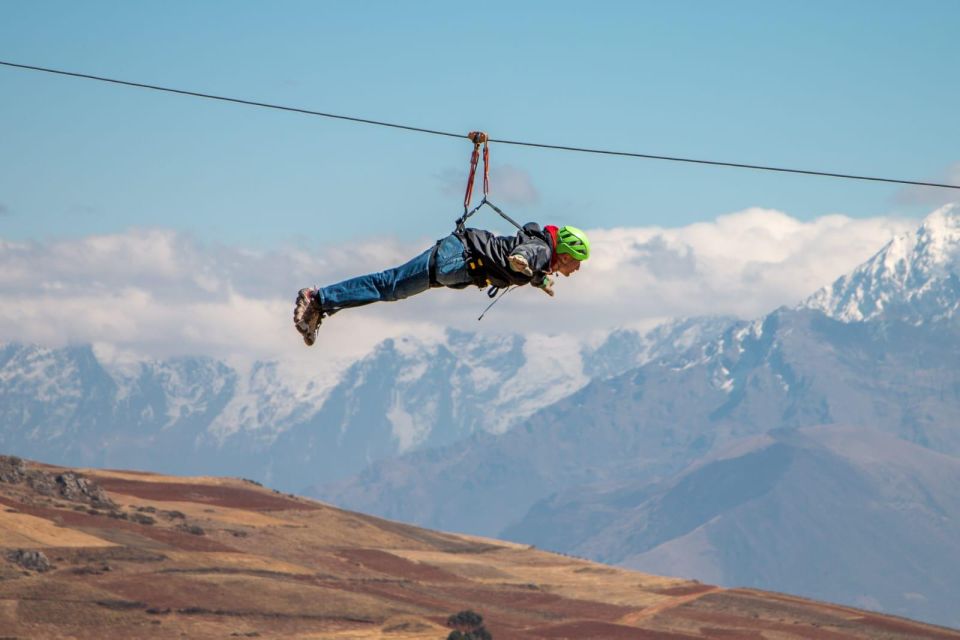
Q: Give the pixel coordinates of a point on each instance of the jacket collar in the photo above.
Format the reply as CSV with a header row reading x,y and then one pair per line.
x,y
552,232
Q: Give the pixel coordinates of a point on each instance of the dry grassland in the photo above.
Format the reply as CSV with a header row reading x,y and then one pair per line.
x,y
225,558
23,530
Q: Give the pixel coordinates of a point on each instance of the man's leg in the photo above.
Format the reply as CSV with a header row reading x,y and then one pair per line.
x,y
307,315
450,267
389,285
386,286
392,284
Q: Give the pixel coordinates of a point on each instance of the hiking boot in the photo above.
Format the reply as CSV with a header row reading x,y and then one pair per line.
x,y
307,315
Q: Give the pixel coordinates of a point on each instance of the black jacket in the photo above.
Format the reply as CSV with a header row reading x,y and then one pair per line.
x,y
489,253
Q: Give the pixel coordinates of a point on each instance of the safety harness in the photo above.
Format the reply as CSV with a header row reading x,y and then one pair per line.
x,y
480,138
475,266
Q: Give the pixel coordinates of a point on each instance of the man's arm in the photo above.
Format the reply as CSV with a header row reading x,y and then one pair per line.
x,y
533,256
532,259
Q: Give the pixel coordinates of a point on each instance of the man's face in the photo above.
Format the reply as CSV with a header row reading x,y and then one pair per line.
x,y
567,264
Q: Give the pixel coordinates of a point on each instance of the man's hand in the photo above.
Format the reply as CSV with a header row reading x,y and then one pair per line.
x,y
519,264
547,286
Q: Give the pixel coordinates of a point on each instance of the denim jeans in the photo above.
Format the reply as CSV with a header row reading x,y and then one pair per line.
x,y
399,282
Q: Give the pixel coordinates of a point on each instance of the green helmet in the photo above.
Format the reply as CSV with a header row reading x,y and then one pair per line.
x,y
573,241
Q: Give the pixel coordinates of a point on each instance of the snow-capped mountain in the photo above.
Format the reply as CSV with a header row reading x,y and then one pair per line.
x,y
65,404
792,368
915,277
623,349
267,400
294,427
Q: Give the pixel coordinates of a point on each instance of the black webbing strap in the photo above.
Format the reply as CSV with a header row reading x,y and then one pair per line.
x,y
463,219
504,216
493,292
496,298
466,214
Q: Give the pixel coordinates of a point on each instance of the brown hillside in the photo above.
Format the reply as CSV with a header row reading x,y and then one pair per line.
x,y
135,555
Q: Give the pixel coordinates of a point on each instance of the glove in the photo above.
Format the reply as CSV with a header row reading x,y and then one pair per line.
x,y
547,286
519,264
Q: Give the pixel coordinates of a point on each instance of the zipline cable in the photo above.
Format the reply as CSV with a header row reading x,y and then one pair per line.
x,y
209,96
717,163
555,147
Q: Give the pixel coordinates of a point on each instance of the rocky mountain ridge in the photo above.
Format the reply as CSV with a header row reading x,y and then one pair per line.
x,y
847,514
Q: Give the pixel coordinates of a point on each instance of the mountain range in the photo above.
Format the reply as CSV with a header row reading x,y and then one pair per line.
x,y
195,415
703,442
876,351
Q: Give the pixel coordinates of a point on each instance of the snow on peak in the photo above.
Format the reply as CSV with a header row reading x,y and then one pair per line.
x,y
916,276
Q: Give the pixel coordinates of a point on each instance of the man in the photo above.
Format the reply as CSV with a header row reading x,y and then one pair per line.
x,y
465,257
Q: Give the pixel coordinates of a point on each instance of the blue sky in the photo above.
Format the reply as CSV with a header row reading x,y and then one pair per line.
x,y
859,87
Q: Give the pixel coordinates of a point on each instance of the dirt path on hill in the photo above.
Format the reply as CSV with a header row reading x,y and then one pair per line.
x,y
676,601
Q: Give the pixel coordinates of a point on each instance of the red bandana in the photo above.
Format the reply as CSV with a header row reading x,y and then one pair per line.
x,y
552,230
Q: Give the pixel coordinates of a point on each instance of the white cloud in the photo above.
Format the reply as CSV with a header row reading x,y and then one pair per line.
x,y
512,185
157,293
744,264
509,185
933,196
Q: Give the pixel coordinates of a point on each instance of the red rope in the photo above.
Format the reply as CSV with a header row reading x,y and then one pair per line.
x,y
478,138
486,168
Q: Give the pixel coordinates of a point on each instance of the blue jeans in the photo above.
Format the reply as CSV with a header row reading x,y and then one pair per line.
x,y
400,282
